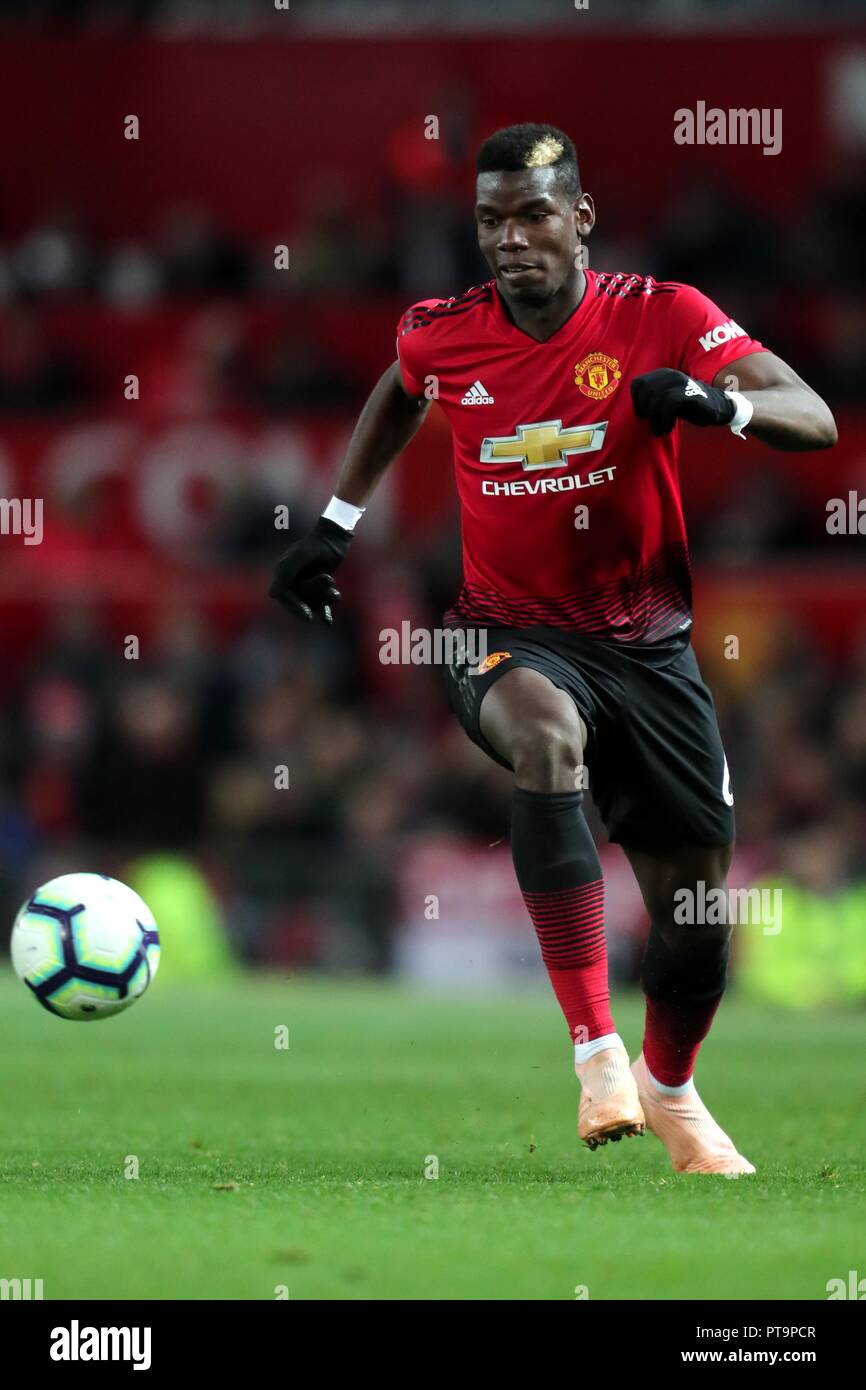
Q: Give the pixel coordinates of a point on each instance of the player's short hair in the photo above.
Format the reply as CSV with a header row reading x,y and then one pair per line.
x,y
531,146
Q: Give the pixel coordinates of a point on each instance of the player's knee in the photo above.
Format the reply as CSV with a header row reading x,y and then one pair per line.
x,y
699,937
689,890
697,941
548,756
693,914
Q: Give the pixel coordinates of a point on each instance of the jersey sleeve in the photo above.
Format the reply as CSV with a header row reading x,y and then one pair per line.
x,y
414,347
705,338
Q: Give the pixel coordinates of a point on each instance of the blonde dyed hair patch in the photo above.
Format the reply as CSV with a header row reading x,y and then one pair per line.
x,y
546,151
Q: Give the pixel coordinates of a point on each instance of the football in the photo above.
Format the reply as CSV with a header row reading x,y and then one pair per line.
x,y
86,946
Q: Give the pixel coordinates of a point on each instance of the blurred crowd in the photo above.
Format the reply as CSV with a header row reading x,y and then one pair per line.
x,y
421,242
296,770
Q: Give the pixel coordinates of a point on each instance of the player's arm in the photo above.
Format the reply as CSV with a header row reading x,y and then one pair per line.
x,y
303,579
386,424
723,376
758,391
786,413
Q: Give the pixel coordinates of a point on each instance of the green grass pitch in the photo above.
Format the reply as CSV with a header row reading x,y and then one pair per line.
x,y
261,1169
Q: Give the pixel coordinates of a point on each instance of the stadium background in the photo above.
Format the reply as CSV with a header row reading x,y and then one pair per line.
x,y
155,257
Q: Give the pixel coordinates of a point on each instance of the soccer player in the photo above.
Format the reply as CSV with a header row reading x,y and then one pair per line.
x,y
566,389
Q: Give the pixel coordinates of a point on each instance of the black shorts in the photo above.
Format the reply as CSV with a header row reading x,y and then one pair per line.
x,y
657,771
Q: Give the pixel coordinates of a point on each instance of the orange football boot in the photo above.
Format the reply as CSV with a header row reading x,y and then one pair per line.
x,y
688,1131
609,1104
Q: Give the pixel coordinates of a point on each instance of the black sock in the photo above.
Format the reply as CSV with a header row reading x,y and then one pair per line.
x,y
551,841
559,872
691,977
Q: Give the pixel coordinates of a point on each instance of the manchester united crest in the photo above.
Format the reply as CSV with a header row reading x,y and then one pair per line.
x,y
597,375
490,661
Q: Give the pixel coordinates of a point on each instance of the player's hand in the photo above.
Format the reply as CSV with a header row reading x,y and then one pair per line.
x,y
665,396
303,582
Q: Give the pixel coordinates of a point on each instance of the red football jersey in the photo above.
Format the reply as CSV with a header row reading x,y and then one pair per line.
x,y
571,508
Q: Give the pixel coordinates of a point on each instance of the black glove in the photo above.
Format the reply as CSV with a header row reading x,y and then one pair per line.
x,y
303,584
665,396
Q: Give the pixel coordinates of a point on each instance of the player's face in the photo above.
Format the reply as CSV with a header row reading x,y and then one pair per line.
x,y
529,232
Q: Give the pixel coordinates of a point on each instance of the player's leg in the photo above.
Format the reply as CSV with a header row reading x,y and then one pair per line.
x,y
684,973
664,793
536,729
684,969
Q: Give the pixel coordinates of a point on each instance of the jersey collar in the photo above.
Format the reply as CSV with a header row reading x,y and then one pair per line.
x,y
510,328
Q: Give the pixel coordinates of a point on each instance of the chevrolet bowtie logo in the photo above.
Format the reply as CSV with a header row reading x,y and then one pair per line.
x,y
546,445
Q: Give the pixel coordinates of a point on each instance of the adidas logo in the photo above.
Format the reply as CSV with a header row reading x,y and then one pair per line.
x,y
477,395
693,389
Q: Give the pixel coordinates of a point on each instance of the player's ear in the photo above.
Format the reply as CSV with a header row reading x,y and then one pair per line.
x,y
584,212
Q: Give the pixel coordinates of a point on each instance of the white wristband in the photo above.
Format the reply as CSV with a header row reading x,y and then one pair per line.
x,y
345,514
742,414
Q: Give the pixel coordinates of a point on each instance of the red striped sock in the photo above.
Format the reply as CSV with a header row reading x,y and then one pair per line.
x,y
683,990
673,1034
569,924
